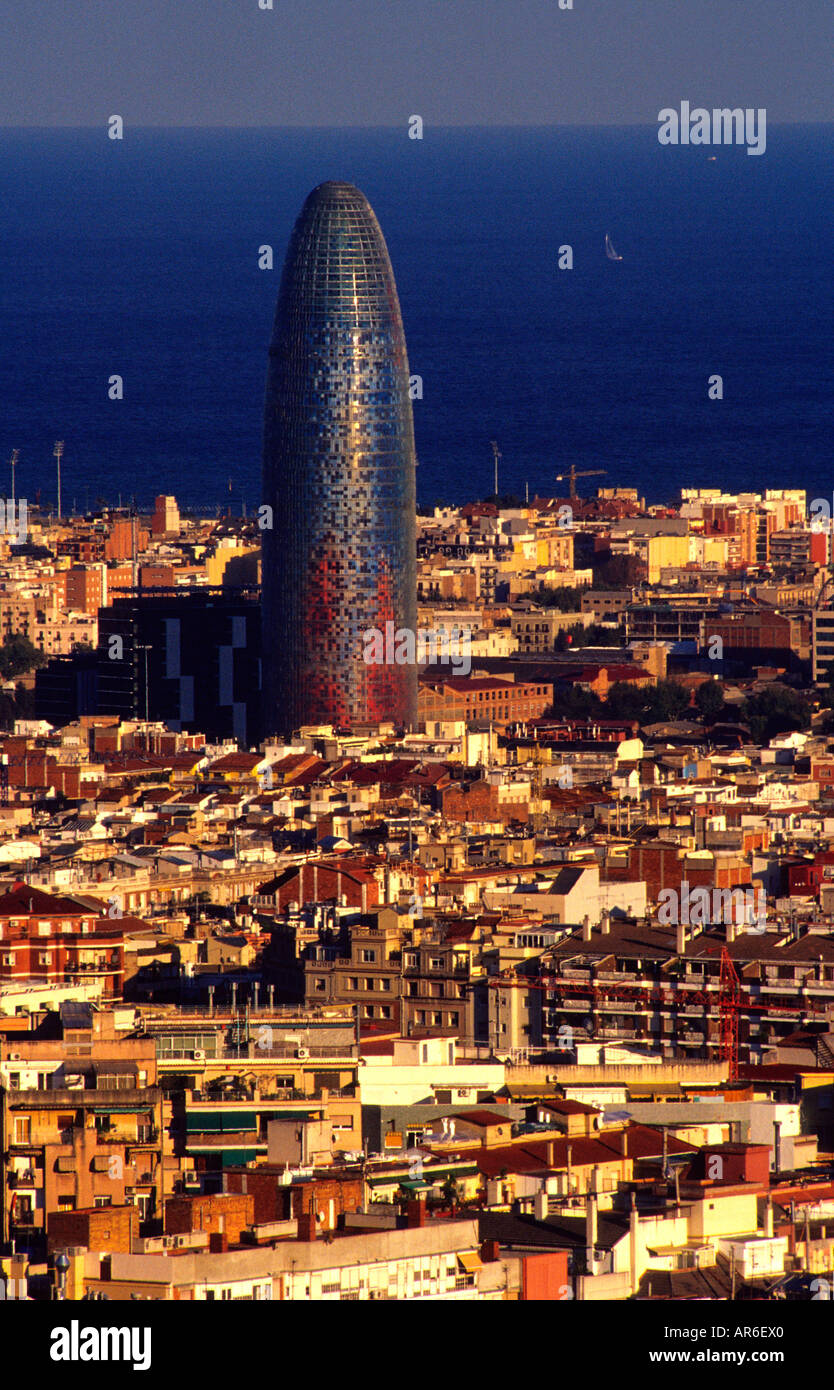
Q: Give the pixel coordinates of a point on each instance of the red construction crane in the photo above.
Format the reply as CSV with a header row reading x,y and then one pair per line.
x,y
729,998
729,1003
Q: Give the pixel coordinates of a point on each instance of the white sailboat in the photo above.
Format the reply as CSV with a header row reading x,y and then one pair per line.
x,y
609,249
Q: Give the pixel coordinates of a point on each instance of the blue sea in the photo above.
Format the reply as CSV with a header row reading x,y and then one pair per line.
x,y
139,258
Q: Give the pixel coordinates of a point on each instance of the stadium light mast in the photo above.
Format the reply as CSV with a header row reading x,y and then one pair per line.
x,y
58,454
496,455
13,461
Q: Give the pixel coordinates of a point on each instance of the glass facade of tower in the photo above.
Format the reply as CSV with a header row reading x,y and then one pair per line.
x,y
339,475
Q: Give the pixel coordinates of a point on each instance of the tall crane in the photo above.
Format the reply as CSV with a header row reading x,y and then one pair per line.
x,y
729,1004
574,473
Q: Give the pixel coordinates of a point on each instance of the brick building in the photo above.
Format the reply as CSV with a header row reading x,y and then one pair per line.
x,y
59,939
479,698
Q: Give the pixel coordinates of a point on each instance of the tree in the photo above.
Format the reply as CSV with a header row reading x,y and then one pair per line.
x,y
775,710
594,635
617,571
626,701
668,700
573,702
566,599
709,698
18,655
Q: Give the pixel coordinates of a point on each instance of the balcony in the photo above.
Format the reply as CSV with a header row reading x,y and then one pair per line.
x,y
18,1180
137,1098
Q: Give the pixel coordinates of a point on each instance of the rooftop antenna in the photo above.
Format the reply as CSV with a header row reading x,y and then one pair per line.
x,y
496,454
13,461
58,452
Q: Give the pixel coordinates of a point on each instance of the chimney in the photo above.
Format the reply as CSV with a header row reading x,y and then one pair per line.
x,y
731,931
218,1242
540,1205
586,928
551,1153
415,1214
680,943
307,1225
490,1251
591,1222
633,1228
768,1221
777,1148
605,925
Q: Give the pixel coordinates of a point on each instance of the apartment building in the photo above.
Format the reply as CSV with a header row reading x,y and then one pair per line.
x,y
81,1125
60,939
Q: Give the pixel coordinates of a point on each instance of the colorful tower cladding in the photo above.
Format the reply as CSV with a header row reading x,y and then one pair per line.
x,y
339,476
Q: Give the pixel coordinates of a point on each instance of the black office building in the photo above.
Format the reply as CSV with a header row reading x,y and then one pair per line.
x,y
191,659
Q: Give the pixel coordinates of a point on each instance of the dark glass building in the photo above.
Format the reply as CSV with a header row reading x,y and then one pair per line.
x,y
339,476
190,658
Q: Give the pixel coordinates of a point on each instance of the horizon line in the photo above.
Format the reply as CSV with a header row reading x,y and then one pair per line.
x,y
441,126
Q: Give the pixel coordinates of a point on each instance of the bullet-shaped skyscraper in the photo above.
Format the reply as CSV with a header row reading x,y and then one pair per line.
x,y
339,476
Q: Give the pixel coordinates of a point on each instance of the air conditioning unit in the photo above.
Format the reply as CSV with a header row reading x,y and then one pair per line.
x,y
302,1053
15,1056
198,1055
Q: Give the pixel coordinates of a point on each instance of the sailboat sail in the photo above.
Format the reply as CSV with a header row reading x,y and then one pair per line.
x,y
609,249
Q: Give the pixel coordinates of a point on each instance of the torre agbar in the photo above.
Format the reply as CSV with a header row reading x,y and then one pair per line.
x,y
339,475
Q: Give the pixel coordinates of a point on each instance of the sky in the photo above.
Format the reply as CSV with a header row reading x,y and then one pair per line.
x,y
377,62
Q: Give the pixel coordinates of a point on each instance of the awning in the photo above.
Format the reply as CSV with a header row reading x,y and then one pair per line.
x,y
470,1261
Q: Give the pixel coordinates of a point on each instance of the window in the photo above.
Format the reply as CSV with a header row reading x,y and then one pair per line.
x,y
353,982
367,957
14,1080
320,984
22,1129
